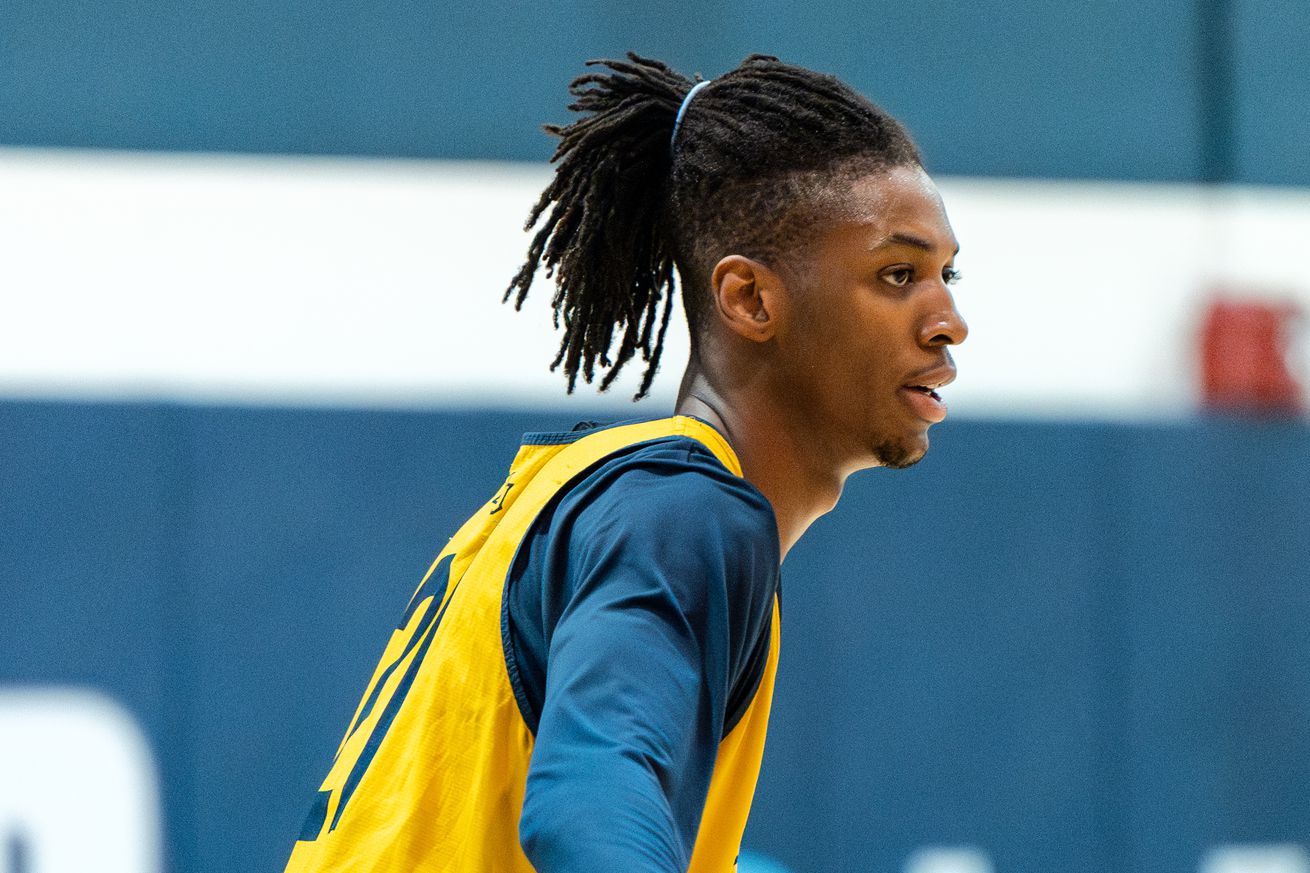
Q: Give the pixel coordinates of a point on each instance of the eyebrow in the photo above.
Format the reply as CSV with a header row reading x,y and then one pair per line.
x,y
913,241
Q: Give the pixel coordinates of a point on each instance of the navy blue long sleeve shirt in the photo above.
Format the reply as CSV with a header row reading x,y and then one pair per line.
x,y
637,623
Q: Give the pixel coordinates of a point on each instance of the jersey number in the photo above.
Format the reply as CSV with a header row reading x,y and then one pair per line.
x,y
379,709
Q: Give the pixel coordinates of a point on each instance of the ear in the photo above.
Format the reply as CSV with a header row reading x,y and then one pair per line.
x,y
749,298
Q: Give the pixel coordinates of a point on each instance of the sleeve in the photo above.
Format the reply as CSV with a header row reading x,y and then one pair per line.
x,y
670,580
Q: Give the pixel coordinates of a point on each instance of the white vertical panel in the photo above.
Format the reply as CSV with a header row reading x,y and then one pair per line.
x,y
1278,858
948,859
78,788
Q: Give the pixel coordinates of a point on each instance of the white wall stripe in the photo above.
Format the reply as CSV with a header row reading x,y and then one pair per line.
x,y
368,282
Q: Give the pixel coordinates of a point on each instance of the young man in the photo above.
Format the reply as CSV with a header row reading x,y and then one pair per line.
x,y
582,682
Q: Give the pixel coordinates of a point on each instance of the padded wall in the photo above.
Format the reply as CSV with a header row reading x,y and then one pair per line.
x,y
1078,647
1172,90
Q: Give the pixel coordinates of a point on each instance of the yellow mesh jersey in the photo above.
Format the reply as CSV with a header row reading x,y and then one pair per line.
x,y
432,770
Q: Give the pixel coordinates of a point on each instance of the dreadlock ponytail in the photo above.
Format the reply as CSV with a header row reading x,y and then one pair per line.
x,y
603,239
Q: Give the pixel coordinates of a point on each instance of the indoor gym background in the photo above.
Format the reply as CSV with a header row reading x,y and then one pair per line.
x,y
250,262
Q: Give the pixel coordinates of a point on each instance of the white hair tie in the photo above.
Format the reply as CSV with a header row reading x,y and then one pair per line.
x,y
682,110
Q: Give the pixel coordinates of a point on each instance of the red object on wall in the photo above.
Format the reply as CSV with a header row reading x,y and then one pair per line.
x,y
1245,349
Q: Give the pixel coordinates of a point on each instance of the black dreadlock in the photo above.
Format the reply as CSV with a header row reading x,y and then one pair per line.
x,y
758,161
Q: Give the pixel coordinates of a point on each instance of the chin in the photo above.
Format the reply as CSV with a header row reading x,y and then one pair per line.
x,y
902,453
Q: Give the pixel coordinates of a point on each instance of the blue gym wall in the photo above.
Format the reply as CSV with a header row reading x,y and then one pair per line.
x,y
1174,90
1078,647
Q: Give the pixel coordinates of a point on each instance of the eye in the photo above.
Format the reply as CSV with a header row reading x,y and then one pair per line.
x,y
900,276
951,275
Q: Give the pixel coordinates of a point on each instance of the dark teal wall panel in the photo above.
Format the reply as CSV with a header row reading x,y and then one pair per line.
x,y
409,79
94,530
1101,90
1272,91
1106,90
1215,604
941,661
1077,647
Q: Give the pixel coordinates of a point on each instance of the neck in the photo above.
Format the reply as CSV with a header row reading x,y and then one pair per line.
x,y
776,455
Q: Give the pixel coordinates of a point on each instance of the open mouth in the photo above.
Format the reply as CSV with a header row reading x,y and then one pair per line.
x,y
926,403
922,396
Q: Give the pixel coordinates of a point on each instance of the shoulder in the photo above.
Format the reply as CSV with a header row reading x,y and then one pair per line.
x,y
675,491
666,523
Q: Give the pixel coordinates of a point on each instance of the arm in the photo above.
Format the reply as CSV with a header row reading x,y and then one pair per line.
x,y
669,586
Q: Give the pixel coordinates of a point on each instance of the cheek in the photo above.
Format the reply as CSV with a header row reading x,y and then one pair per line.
x,y
848,367
836,350
863,338
845,350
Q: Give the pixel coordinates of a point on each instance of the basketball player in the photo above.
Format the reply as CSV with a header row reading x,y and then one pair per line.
x,y
582,681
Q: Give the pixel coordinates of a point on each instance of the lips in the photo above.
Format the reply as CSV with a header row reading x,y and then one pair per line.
x,y
927,404
920,392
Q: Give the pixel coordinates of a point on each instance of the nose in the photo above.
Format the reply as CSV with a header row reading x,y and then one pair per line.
x,y
943,326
